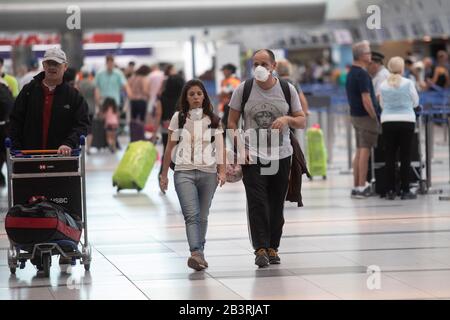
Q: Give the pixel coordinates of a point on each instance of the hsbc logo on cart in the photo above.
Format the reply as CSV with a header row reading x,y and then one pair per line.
x,y
43,167
60,200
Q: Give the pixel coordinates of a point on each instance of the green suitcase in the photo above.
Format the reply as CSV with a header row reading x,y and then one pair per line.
x,y
135,166
317,153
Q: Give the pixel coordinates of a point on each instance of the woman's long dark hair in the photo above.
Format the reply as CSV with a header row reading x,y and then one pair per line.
x,y
143,70
109,103
183,105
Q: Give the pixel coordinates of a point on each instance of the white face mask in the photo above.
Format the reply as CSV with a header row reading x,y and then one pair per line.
x,y
196,114
261,73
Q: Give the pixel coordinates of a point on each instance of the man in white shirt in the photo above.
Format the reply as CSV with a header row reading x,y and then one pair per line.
x,y
377,70
34,70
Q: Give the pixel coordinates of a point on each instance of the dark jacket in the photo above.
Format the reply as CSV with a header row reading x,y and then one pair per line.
x,y
6,103
69,117
170,95
298,168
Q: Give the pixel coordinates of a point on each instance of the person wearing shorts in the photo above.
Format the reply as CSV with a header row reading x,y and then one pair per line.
x,y
366,131
362,101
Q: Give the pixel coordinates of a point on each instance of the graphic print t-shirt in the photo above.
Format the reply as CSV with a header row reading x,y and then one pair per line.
x,y
261,110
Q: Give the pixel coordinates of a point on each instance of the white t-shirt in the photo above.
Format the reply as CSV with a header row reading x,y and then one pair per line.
x,y
261,110
382,75
27,78
195,150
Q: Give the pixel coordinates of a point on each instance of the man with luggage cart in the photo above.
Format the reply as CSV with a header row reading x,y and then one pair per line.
x,y
49,113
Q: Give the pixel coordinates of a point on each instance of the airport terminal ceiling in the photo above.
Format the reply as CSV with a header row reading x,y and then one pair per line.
x,y
51,15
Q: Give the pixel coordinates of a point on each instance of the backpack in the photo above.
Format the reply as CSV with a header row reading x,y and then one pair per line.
x,y
181,122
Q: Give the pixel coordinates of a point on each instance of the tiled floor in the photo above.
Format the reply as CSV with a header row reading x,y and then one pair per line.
x,y
140,249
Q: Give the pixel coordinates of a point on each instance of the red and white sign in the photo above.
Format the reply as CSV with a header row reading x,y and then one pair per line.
x,y
32,39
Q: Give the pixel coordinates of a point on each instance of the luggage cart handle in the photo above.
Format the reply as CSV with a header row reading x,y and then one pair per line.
x,y
27,153
75,152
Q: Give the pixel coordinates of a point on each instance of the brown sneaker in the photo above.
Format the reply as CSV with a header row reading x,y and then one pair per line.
x,y
196,261
205,263
261,259
274,258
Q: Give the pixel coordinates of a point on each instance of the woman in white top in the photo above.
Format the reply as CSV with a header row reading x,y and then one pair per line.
x,y
398,98
199,164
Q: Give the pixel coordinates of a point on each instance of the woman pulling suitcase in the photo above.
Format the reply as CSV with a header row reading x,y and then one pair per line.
x,y
199,164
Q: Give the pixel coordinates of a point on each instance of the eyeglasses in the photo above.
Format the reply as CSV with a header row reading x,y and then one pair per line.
x,y
52,63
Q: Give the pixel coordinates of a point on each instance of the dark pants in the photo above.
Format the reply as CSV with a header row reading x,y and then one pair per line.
x,y
265,203
398,136
138,109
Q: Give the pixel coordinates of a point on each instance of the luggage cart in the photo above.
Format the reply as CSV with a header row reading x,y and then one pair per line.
x,y
57,178
422,182
418,165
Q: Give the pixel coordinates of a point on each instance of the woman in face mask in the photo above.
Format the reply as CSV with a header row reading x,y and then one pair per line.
x,y
196,134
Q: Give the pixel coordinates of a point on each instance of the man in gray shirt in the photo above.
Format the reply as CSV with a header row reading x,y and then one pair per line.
x,y
267,116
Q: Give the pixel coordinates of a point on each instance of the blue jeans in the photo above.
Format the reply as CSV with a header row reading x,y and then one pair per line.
x,y
195,190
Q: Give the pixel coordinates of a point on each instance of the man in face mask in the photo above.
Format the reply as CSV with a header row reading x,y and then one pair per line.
x,y
265,192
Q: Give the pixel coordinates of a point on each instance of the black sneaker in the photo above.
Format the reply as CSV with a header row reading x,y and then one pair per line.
x,y
262,258
360,195
274,258
367,191
353,194
408,195
390,195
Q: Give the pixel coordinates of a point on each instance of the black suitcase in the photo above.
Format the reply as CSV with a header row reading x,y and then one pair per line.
x,y
380,170
98,134
137,130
